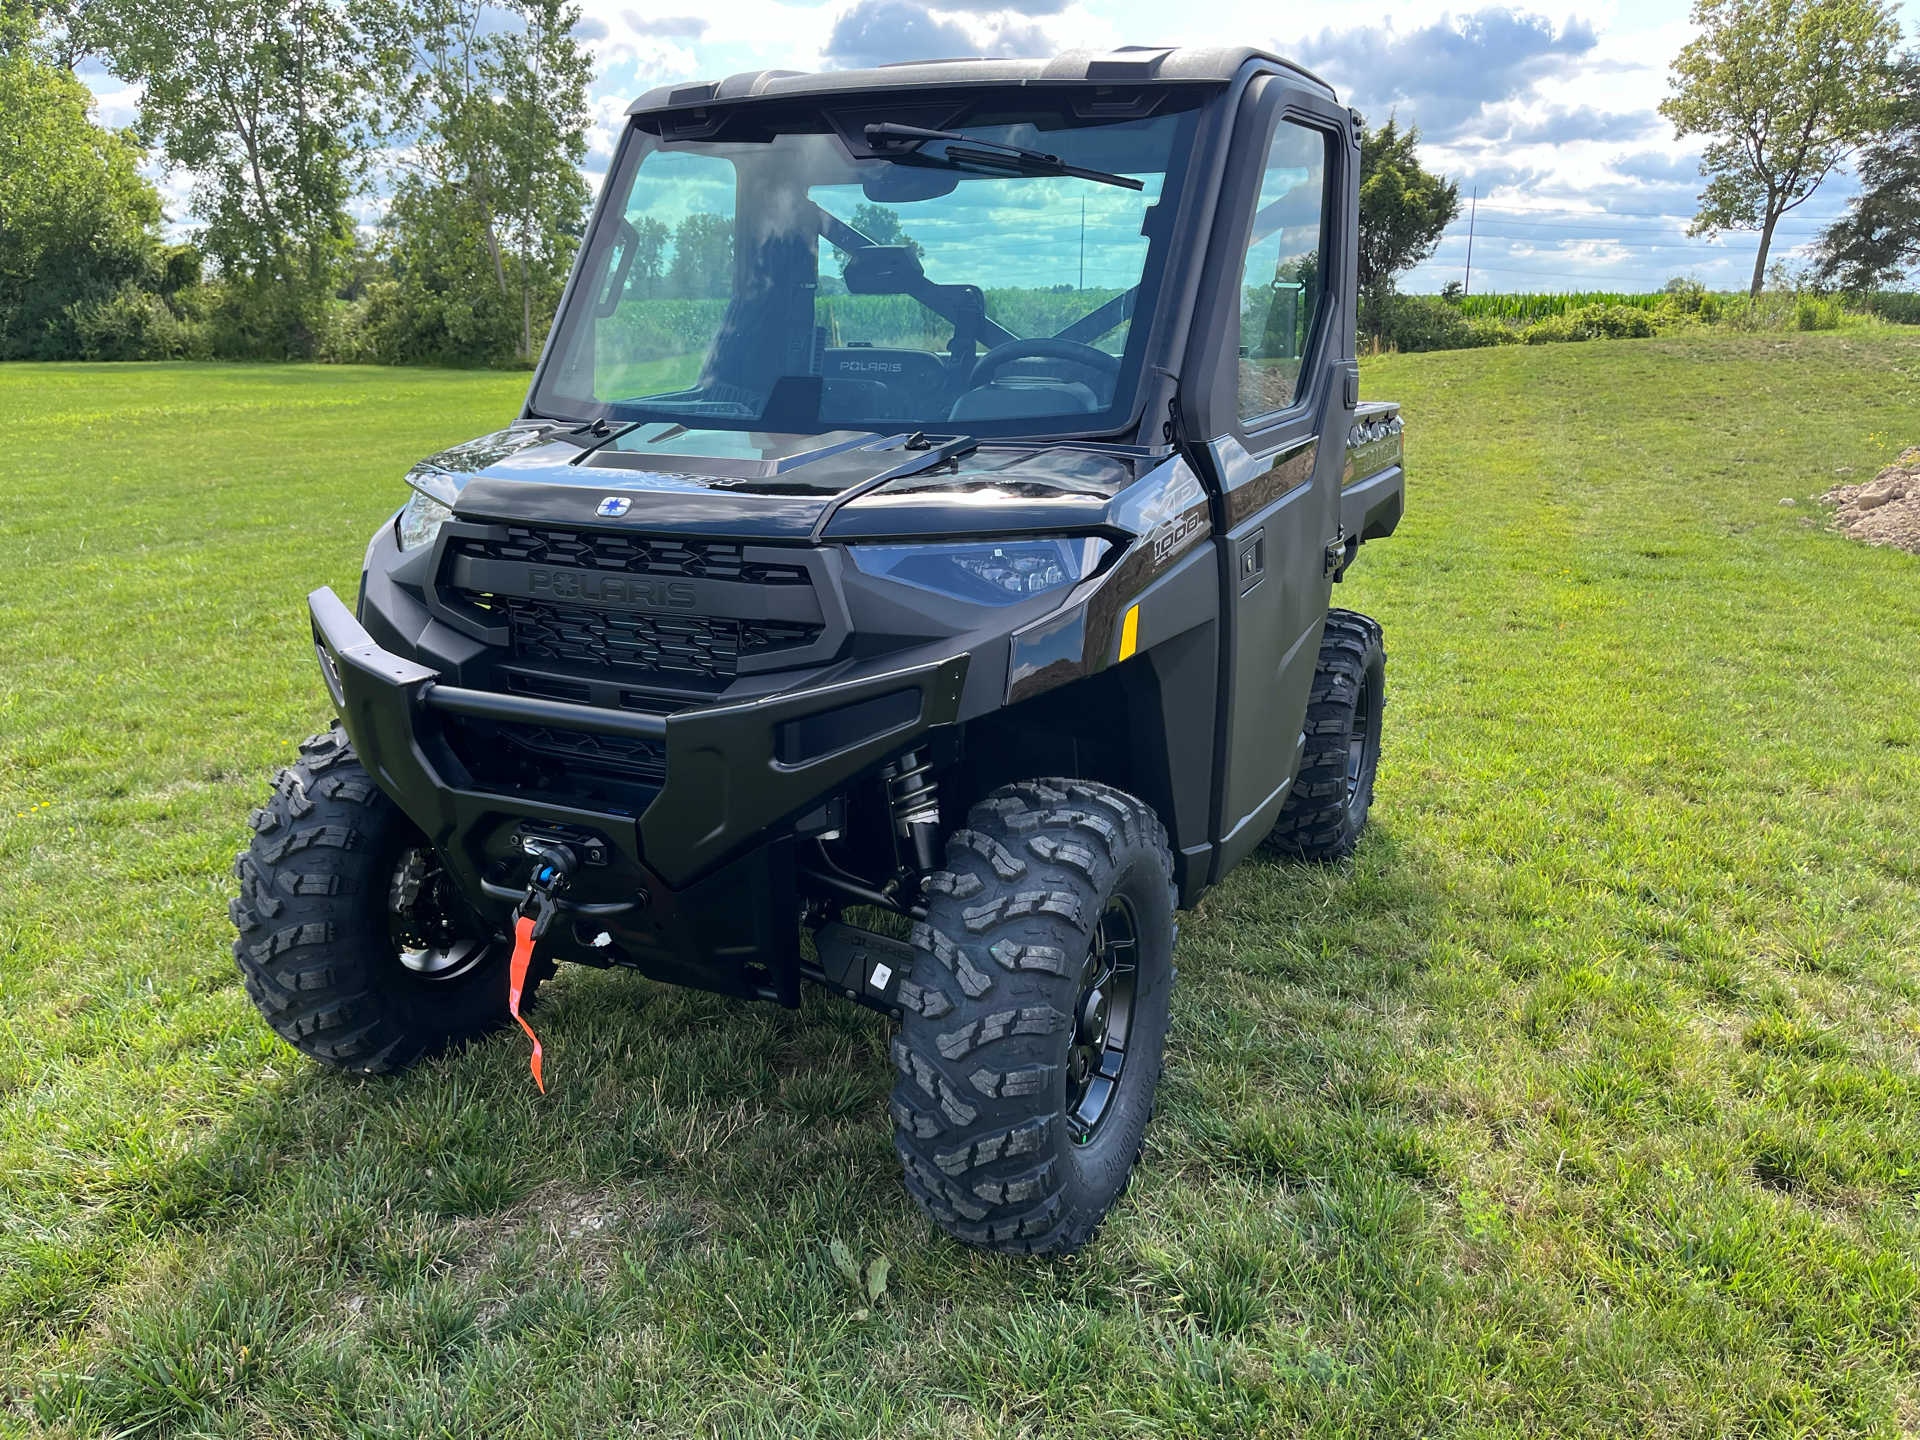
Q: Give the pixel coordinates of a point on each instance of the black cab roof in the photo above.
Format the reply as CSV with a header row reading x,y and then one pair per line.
x,y
1128,65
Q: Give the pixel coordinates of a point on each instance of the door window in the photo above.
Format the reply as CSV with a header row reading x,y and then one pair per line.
x,y
1282,282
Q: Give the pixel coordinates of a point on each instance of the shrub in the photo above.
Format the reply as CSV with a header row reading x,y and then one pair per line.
x,y
1814,312
131,324
1898,306
1593,322
1421,322
408,322
1783,310
1683,295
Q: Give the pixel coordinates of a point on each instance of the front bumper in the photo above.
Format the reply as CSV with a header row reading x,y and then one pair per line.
x,y
698,888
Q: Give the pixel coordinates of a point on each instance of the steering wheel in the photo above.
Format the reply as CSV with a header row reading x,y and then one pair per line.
x,y
1041,348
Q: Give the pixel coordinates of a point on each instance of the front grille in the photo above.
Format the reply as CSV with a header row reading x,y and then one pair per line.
x,y
636,554
616,640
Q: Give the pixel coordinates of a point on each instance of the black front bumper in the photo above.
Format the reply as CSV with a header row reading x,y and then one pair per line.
x,y
697,889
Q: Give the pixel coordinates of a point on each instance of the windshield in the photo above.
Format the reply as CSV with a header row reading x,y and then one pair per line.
x,y
827,271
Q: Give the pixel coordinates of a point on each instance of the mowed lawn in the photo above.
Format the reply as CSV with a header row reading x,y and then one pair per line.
x,y
1584,1101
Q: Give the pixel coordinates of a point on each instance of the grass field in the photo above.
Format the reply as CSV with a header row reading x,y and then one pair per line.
x,y
1585,1101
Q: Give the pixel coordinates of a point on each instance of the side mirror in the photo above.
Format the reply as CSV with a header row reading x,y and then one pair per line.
x,y
883,270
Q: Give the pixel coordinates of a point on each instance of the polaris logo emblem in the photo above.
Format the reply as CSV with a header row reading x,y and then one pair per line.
x,y
614,505
647,594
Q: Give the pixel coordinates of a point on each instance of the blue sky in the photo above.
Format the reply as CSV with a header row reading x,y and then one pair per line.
x,y
1550,116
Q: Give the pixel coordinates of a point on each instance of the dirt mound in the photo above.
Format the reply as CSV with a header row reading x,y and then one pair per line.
x,y
1884,511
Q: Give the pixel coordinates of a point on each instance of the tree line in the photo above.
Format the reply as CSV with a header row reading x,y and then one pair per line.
x,y
460,124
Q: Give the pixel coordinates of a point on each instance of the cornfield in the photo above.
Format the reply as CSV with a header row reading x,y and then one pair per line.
x,y
1525,309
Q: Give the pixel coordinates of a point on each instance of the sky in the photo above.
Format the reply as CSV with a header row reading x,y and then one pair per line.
x,y
1547,119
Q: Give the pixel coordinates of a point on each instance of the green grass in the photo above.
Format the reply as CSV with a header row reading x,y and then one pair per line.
x,y
1584,1101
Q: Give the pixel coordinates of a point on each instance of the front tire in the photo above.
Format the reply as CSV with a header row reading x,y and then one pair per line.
x,y
1035,1016
352,942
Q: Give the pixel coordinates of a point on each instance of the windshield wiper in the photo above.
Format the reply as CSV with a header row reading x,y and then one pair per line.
x,y
972,150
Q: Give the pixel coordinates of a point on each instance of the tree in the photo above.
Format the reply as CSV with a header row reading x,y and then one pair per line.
x,y
1878,240
491,124
702,266
55,30
882,226
1404,209
1784,90
78,223
649,257
267,103
543,74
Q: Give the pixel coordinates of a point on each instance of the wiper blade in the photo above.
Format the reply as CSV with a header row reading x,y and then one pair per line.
x,y
971,150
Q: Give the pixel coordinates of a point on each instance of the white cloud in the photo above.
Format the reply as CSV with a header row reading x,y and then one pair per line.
x,y
1445,74
878,32
691,27
1551,118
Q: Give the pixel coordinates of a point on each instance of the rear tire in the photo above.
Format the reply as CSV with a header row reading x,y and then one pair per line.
x,y
1326,809
352,942
1035,1016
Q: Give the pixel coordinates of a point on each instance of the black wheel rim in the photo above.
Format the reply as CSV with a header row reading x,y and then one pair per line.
x,y
423,920
1102,1020
1360,738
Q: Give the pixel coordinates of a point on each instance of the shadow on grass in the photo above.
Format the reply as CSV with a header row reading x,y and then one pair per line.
x,y
341,1248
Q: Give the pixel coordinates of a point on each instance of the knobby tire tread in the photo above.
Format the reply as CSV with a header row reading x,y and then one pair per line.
x,y
311,920
977,1108
1316,822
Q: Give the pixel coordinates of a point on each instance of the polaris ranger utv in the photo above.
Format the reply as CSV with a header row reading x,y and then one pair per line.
x,y
909,574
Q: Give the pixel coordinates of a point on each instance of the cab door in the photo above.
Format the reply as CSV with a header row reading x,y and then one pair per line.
x,y
1282,389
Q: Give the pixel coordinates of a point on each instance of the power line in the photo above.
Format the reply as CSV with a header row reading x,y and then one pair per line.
x,y
1582,210
1698,248
1650,229
1567,274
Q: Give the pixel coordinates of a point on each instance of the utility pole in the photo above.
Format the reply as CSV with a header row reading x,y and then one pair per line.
x,y
1472,213
1083,242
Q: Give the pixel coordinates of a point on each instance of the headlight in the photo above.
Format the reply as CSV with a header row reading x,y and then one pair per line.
x,y
1001,572
428,508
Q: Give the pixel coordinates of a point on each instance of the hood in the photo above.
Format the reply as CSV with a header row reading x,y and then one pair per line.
x,y
735,484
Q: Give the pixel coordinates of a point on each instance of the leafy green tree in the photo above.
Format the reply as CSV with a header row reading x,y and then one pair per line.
x,y
542,73
1877,242
78,223
55,30
267,103
491,121
881,224
1784,91
702,266
1404,210
649,257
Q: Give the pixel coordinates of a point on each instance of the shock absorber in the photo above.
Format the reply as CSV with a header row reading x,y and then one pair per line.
x,y
913,796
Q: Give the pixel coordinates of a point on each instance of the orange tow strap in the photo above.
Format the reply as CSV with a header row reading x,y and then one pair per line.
x,y
517,981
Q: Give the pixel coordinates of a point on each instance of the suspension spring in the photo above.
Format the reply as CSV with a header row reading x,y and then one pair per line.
x,y
913,797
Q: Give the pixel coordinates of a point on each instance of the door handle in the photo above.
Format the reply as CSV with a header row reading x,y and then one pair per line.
x,y
1253,560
